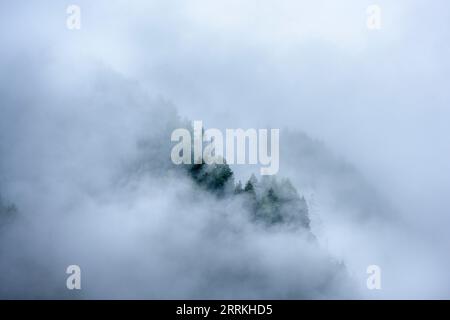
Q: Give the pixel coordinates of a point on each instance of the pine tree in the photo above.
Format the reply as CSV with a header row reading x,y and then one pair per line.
x,y
293,207
250,201
269,208
269,201
253,180
215,178
249,187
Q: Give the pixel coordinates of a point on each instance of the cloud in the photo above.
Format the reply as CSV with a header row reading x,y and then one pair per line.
x,y
88,167
79,114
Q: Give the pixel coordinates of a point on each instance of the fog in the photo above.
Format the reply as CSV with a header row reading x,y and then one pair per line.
x,y
85,126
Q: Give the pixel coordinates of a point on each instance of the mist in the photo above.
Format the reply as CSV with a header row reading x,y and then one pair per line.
x,y
85,127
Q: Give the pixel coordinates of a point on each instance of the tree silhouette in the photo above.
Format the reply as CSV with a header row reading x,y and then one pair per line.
x,y
268,201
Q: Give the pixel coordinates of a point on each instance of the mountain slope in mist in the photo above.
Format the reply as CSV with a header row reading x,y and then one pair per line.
x,y
88,167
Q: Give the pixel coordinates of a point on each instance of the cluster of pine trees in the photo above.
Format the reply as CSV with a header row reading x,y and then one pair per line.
x,y
268,201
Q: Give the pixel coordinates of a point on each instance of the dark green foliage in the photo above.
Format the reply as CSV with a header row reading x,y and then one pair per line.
x,y
294,206
250,202
269,208
249,188
215,177
275,203
268,201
